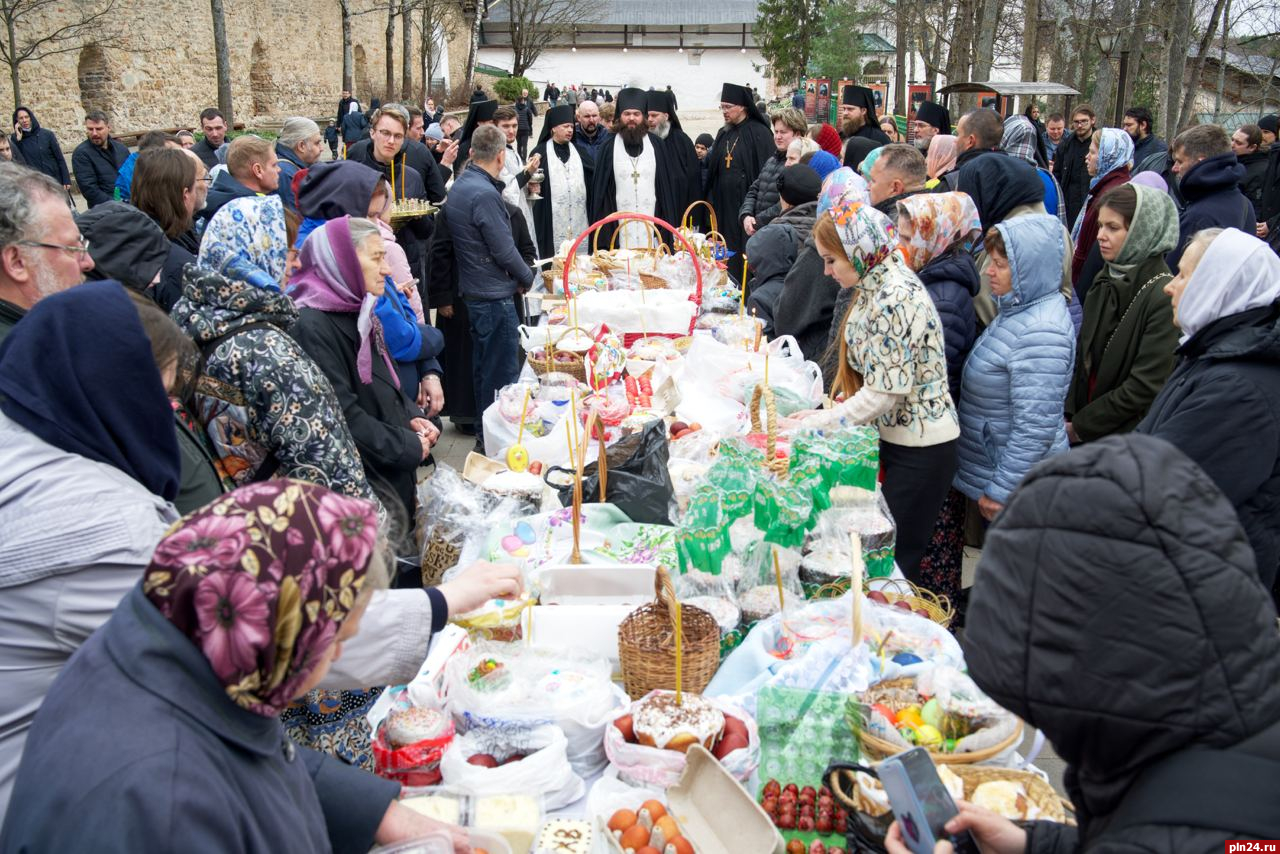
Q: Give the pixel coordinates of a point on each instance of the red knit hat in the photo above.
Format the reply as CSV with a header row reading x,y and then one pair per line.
x,y
829,140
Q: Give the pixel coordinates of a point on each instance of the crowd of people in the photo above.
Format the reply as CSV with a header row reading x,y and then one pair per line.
x,y
204,505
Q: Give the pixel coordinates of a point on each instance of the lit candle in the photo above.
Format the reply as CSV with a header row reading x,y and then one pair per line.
x,y
742,296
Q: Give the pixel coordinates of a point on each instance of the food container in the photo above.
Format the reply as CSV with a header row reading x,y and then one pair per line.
x,y
515,818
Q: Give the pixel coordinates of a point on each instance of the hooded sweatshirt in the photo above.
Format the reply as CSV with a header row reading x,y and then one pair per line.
x,y
125,244
1117,609
1212,192
39,149
1016,377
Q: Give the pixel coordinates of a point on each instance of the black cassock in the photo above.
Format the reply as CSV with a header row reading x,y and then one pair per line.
x,y
604,190
737,156
542,223
684,158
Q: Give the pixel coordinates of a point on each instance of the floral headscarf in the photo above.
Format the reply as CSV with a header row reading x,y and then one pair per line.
x,y
330,278
941,221
246,241
1115,149
868,236
1021,140
843,186
261,580
942,155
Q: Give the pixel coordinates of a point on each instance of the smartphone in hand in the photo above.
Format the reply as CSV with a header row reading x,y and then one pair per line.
x,y
920,802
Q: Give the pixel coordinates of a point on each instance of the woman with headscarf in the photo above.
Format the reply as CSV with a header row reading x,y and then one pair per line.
x,y
891,372
828,139
937,232
1127,339
856,150
1021,140
1220,403
265,406
89,466
1005,189
1108,161
941,158
343,272
163,731
1015,382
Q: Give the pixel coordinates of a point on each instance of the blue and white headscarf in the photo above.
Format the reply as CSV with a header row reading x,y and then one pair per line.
x,y
1115,149
246,241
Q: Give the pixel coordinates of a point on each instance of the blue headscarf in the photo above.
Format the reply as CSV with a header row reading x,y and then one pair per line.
x,y
1115,149
246,241
99,396
824,163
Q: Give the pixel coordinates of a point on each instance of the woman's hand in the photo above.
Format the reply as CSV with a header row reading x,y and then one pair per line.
x,y
481,582
1072,436
431,395
994,834
989,508
401,824
427,434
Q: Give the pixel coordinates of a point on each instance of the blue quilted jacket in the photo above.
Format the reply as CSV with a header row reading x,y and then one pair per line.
x,y
1016,378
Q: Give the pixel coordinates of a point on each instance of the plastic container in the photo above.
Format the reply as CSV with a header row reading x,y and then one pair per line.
x,y
490,842
442,803
515,818
436,843
715,812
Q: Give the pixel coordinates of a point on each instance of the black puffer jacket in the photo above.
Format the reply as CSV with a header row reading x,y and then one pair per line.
x,y
1221,407
952,283
1255,174
1117,609
762,196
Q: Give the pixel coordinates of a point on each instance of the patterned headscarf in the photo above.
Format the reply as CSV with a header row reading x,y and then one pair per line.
x,y
942,155
261,580
1153,231
330,278
843,186
941,221
1115,149
868,236
246,241
1021,140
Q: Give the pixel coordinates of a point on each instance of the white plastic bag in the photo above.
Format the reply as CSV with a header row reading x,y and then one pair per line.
x,y
716,393
545,770
660,311
640,765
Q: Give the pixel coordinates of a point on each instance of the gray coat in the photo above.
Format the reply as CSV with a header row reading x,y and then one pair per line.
x,y
139,742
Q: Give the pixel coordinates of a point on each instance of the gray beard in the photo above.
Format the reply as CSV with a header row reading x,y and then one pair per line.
x,y
922,144
662,130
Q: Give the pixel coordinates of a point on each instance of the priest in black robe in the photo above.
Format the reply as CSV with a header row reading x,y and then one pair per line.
x,y
858,116
664,122
741,148
564,211
480,113
634,172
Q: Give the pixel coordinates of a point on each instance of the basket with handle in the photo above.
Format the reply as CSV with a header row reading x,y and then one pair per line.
x,y
938,607
647,644
687,223
555,360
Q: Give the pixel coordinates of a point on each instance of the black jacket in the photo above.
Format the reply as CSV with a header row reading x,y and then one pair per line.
x,y
773,250
1072,172
40,150
378,413
1270,209
1255,174
1212,192
952,283
949,182
207,153
223,189
761,200
1118,610
1220,407
96,169
804,307
525,112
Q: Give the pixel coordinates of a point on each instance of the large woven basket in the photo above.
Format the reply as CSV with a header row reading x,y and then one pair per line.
x,y
574,367
875,748
939,607
647,645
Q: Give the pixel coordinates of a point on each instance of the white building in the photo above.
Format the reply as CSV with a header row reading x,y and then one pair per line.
x,y
694,48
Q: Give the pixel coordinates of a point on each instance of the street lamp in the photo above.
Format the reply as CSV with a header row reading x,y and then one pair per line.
x,y
1109,42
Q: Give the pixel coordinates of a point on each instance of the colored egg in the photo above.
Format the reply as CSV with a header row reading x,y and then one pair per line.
x,y
906,658
525,532
517,458
928,736
910,716
948,745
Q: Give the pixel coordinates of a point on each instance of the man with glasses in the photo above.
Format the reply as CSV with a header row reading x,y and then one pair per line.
x,y
1069,165
41,250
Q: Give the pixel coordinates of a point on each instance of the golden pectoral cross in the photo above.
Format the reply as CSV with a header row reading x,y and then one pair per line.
x,y
728,159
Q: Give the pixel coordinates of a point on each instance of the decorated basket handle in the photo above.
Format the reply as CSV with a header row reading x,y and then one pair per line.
x,y
770,426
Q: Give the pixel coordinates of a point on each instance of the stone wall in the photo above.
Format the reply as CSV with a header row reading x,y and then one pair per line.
x,y
282,64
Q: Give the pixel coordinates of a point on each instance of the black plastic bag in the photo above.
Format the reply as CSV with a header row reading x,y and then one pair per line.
x,y
636,482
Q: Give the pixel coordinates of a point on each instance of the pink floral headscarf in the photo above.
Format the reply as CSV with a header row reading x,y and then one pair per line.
x,y
843,186
261,580
868,236
941,221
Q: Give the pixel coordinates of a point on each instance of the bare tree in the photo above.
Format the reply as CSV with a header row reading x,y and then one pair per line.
x,y
1175,73
473,11
436,24
393,10
350,9
222,61
1030,35
31,32
406,50
1192,85
536,24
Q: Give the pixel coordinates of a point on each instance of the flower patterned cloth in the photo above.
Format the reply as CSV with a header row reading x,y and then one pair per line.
x,y
261,581
867,235
942,221
843,186
246,241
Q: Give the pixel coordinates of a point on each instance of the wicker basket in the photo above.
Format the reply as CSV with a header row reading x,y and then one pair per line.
x,y
652,282
889,693
647,647
574,367
939,607
685,222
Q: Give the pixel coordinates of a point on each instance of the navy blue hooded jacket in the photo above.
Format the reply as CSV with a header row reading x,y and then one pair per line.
x,y
39,149
1212,192
952,283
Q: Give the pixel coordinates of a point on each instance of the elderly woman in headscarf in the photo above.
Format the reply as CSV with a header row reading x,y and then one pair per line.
x,y
1108,161
343,272
1219,406
937,232
941,158
1127,339
164,730
892,373
265,406
1021,140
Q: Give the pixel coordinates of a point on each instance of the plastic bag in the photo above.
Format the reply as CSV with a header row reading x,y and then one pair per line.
x,y
660,311
416,764
757,589
637,482
715,595
544,769
825,567
715,395
640,765
451,509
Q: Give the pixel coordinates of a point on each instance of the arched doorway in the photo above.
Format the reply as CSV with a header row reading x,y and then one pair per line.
x,y
97,82
362,77
261,84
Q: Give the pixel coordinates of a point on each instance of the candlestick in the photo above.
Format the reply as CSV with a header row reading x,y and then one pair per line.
x,y
742,295
855,584
679,656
